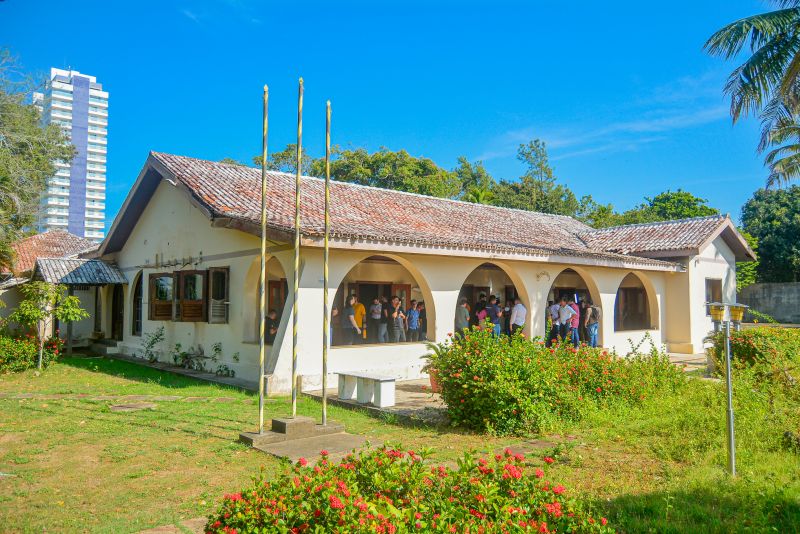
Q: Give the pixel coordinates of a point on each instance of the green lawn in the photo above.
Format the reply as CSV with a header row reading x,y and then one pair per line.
x,y
77,466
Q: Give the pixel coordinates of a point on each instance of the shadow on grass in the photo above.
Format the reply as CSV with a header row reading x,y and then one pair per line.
x,y
722,508
143,374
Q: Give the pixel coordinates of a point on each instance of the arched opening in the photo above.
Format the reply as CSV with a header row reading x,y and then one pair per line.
x,y
571,286
378,316
632,305
277,294
136,306
487,282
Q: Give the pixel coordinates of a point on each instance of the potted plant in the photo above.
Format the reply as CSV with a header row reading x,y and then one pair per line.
x,y
430,367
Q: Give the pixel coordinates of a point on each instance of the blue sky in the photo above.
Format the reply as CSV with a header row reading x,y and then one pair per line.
x,y
622,92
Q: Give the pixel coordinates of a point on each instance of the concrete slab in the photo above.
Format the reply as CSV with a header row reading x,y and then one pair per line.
x,y
132,407
414,403
337,445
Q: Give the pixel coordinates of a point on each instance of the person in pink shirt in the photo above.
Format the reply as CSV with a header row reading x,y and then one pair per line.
x,y
575,322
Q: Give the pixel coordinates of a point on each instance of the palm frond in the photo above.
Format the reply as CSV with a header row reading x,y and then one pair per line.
x,y
752,84
760,29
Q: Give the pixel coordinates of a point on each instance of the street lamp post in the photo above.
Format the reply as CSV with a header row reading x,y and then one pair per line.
x,y
735,313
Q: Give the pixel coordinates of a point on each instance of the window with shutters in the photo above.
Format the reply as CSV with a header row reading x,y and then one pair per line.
x,y
218,294
191,303
190,296
161,295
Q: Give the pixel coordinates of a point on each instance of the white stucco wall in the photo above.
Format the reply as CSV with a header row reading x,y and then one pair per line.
x,y
170,228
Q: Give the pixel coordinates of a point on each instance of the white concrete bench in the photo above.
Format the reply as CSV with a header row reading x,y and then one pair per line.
x,y
366,388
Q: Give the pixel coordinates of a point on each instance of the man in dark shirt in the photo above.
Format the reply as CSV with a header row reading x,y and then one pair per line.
x,y
271,327
494,314
350,329
383,332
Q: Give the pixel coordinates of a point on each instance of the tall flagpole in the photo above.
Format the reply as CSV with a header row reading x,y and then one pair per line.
x,y
297,243
325,328
263,277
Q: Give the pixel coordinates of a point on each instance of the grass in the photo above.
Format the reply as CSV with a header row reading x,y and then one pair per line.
x,y
77,466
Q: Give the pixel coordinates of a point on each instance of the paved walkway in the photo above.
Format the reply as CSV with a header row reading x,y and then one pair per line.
x,y
692,362
119,398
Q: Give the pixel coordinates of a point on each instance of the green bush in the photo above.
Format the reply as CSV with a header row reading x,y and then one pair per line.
x,y
20,353
770,354
510,385
394,491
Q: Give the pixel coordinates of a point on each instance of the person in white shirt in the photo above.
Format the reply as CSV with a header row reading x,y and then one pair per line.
x,y
565,313
518,315
554,328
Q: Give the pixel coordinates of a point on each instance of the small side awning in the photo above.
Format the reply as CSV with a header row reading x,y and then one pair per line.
x,y
77,272
12,282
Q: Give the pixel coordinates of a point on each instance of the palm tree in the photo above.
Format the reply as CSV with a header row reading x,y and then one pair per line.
x,y
768,82
784,161
479,195
774,65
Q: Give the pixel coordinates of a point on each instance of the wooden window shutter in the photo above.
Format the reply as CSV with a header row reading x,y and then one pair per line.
x,y
218,294
193,291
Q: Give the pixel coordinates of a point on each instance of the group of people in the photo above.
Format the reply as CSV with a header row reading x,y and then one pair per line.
x,y
504,319
573,322
386,321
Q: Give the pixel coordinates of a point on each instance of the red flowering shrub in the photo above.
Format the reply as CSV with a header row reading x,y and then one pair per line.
x,y
392,491
510,385
21,352
771,354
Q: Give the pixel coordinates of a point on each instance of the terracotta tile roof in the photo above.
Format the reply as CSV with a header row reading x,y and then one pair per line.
x,y
678,235
369,213
74,271
51,244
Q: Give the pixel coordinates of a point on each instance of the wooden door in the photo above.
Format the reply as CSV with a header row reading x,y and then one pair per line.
x,y
117,312
276,294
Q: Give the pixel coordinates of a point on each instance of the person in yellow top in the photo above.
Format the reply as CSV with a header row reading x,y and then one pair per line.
x,y
359,314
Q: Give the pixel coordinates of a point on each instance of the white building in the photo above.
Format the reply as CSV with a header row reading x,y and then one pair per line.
x,y
187,242
75,199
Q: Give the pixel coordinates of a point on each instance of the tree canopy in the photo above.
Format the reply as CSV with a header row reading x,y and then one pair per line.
x,y
767,83
773,219
27,154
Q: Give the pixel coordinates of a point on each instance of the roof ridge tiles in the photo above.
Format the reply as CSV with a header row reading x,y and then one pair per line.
x,y
719,216
375,188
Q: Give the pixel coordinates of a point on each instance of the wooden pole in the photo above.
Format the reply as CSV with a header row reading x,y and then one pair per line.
x,y
262,285
297,242
326,333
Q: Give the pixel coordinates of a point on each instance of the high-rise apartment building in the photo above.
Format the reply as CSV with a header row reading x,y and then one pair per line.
x,y
75,199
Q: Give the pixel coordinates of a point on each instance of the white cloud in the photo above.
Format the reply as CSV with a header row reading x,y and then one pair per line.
x,y
191,15
686,102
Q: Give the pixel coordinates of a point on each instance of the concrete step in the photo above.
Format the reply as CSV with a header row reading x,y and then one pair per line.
x,y
290,429
99,348
338,446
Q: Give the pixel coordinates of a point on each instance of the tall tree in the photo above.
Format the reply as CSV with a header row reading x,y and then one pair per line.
x,y
536,190
28,151
773,218
286,160
474,178
747,271
768,82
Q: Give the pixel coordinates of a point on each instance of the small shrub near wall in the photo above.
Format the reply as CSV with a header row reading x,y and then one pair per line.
x,y
770,354
392,491
20,353
511,385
